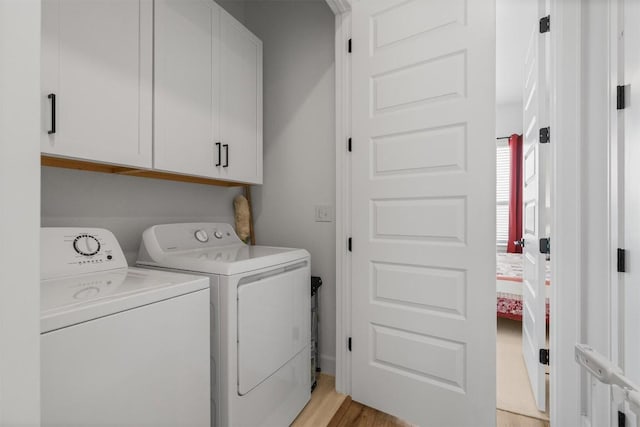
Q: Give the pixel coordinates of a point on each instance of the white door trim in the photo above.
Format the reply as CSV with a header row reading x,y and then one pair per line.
x,y
566,222
343,205
616,171
339,6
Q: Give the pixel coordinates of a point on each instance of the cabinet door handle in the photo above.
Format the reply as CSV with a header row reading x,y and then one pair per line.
x,y
226,151
52,97
219,145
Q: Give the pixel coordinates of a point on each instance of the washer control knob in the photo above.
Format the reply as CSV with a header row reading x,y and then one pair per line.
x,y
86,245
218,235
201,236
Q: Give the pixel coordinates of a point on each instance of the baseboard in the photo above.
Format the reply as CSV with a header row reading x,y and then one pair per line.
x,y
328,364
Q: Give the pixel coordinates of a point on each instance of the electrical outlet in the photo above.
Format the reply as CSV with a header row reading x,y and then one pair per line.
x,y
324,213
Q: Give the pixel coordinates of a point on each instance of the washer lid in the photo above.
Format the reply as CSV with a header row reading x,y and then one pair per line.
x,y
72,300
183,247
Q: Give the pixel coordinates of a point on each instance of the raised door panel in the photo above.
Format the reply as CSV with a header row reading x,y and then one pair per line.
x,y
240,102
185,87
96,61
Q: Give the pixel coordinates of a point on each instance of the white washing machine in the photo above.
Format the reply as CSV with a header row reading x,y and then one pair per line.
x,y
260,325
119,346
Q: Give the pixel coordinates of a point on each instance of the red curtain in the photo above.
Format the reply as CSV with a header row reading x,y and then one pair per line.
x,y
515,196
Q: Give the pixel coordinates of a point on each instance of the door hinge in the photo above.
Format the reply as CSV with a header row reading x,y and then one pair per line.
x,y
622,264
620,99
349,46
544,356
545,245
545,135
349,343
545,24
349,244
622,419
349,145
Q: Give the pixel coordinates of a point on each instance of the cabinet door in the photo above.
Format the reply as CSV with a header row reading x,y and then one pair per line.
x,y
185,87
96,80
240,101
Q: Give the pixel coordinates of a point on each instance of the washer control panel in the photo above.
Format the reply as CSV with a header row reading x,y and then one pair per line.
x,y
68,251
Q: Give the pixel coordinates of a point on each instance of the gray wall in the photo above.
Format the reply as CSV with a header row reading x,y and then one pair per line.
x,y
299,140
128,205
235,8
20,100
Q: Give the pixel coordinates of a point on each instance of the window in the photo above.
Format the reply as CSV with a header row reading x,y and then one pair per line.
x,y
503,169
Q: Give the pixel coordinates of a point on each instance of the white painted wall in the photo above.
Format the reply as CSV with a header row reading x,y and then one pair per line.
x,y
299,140
235,8
128,205
509,119
19,212
515,19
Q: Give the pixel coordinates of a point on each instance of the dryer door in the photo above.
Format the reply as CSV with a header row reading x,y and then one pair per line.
x,y
273,322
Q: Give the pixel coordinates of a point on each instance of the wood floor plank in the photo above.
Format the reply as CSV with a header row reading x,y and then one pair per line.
x,y
340,413
324,404
351,416
332,409
509,419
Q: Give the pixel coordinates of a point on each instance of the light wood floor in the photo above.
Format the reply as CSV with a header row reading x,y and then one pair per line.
x,y
332,409
324,403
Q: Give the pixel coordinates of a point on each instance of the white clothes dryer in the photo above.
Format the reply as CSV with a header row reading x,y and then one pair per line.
x,y
119,346
260,324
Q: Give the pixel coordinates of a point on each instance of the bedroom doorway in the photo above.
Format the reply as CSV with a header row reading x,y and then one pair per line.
x,y
523,176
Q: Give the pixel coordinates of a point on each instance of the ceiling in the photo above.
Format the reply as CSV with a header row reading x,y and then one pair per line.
x,y
515,21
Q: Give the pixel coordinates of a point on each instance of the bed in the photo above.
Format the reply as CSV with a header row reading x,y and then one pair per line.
x,y
509,286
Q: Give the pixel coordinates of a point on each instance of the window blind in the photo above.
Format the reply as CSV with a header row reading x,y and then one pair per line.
x,y
503,168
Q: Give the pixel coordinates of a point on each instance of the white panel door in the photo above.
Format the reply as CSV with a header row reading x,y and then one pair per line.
x,y
423,186
240,101
186,64
96,80
534,213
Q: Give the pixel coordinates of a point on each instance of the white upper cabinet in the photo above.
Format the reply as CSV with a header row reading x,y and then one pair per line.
x,y
173,85
186,129
208,93
240,101
97,80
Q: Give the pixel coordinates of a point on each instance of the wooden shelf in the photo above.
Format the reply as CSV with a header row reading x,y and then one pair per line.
x,y
58,162
83,165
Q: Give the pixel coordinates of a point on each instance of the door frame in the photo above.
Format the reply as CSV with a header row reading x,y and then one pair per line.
x,y
343,197
566,223
565,120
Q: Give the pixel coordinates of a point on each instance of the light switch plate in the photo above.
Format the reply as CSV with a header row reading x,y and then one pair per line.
x,y
324,213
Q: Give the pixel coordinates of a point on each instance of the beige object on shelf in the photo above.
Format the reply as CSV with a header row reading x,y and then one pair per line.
x,y
242,217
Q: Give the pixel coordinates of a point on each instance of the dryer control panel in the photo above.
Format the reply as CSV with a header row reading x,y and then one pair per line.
x,y
66,251
195,235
